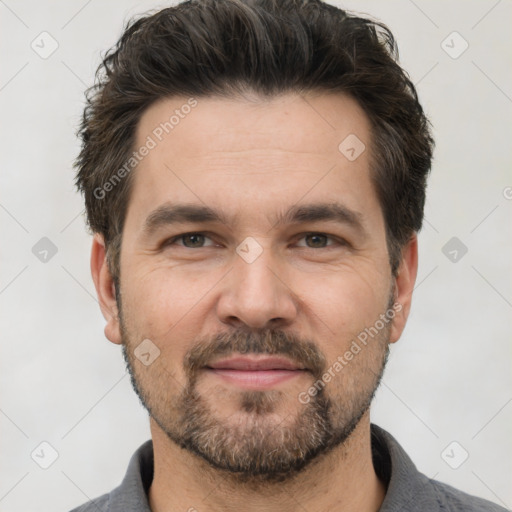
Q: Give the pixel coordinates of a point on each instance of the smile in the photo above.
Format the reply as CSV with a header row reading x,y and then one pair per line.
x,y
256,373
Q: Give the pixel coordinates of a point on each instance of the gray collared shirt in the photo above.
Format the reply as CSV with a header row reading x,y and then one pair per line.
x,y
408,490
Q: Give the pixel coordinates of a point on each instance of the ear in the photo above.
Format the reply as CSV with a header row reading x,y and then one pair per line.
x,y
105,289
404,286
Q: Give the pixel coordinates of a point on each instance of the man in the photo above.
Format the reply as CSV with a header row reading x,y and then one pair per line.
x,y
254,173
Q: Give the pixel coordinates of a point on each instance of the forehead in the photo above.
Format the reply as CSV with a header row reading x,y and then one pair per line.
x,y
253,152
314,122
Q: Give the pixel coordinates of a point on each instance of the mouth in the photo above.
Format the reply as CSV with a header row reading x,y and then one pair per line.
x,y
257,373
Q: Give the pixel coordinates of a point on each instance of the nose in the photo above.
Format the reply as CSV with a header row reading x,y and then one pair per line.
x,y
257,295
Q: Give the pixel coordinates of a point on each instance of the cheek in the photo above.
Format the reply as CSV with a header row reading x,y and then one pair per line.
x,y
346,301
163,302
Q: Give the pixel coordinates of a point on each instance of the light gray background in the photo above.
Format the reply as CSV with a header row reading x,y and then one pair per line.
x,y
449,377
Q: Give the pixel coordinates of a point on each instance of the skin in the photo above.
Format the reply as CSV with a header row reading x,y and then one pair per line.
x,y
253,159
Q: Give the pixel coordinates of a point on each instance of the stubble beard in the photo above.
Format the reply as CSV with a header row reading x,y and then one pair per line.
x,y
258,447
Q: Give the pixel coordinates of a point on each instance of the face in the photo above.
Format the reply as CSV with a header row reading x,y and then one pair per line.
x,y
253,263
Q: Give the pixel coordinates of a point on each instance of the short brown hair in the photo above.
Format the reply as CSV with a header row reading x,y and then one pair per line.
x,y
224,47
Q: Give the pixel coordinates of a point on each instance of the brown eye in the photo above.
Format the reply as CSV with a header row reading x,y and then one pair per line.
x,y
193,240
316,240
321,241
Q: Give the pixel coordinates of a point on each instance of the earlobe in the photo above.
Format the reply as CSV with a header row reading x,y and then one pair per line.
x,y
105,289
404,286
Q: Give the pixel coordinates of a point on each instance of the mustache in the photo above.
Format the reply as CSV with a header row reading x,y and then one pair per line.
x,y
263,341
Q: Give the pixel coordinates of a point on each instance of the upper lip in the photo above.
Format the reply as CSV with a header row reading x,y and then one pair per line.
x,y
255,364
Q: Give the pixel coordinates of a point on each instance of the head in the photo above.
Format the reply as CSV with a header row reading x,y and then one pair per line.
x,y
254,173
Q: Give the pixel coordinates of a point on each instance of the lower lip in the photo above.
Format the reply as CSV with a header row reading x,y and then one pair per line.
x,y
256,379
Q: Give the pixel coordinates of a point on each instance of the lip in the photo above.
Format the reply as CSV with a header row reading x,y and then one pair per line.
x,y
255,373
255,364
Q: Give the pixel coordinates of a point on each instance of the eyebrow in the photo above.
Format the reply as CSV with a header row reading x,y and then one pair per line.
x,y
170,213
173,213
336,212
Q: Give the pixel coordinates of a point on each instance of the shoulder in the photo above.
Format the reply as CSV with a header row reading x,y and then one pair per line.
x,y
100,504
131,494
412,491
453,500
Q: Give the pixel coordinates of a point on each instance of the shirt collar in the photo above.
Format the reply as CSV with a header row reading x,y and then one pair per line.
x,y
132,494
407,488
393,466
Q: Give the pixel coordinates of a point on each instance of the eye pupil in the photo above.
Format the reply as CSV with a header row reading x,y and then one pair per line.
x,y
316,240
194,239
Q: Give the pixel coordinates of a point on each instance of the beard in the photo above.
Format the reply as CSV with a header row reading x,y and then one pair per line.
x,y
271,435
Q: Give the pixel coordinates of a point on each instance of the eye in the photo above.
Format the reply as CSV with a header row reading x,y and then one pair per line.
x,y
317,241
191,240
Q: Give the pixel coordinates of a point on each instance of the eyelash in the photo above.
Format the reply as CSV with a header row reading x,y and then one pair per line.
x,y
337,240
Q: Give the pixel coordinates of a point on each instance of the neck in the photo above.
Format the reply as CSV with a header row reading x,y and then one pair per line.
x,y
342,480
